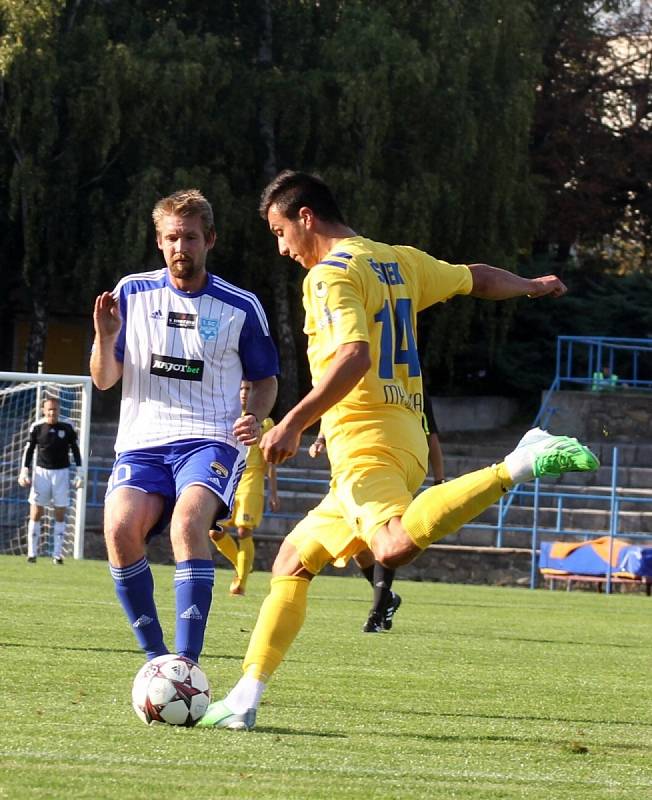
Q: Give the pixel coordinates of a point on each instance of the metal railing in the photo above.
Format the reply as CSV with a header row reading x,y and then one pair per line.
x,y
531,496
599,364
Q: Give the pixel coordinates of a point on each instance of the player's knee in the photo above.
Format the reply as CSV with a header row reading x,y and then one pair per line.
x,y
117,531
392,547
393,558
287,563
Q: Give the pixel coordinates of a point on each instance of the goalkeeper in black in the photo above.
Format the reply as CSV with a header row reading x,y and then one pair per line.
x,y
49,480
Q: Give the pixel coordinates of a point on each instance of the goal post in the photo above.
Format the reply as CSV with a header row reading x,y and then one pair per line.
x,y
21,397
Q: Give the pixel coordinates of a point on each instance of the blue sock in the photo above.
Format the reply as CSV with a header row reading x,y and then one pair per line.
x,y
193,585
134,586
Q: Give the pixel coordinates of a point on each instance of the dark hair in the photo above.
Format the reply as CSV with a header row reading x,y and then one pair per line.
x,y
291,190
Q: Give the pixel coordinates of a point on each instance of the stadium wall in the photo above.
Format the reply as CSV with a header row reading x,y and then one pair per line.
x,y
619,415
454,414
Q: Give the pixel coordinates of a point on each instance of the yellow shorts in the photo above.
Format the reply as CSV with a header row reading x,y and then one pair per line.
x,y
249,502
247,512
364,495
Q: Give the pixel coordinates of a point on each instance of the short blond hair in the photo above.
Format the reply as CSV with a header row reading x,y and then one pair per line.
x,y
185,203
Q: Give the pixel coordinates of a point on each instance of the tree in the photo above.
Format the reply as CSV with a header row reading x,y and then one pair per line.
x,y
592,135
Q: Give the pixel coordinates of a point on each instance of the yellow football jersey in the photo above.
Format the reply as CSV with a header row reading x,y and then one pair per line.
x,y
371,292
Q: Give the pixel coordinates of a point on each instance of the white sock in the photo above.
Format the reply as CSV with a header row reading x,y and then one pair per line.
x,y
59,533
520,462
245,694
33,535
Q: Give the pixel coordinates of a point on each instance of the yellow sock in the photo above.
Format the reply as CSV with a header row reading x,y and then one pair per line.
x,y
229,549
280,619
444,509
245,560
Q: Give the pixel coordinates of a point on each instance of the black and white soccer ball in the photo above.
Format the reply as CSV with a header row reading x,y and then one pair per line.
x,y
171,689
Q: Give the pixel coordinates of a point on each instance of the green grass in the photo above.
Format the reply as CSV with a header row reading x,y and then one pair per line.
x,y
478,692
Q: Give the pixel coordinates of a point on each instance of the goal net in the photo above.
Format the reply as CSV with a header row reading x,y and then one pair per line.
x,y
21,399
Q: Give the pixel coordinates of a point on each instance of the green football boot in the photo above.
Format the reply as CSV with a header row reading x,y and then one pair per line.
x,y
219,716
541,455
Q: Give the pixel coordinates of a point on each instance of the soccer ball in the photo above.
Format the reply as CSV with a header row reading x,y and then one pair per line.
x,y
170,689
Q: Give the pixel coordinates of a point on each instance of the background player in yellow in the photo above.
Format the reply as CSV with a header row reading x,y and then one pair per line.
x,y
248,507
361,299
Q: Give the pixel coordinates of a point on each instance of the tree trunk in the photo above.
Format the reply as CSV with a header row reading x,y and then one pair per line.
x,y
289,379
37,335
36,280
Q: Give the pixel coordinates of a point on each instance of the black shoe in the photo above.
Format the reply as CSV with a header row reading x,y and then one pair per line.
x,y
58,560
31,559
373,624
387,619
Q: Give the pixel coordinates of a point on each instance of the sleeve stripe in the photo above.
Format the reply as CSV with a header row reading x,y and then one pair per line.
x,y
230,289
334,264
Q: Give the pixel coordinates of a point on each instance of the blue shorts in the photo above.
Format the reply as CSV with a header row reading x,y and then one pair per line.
x,y
170,468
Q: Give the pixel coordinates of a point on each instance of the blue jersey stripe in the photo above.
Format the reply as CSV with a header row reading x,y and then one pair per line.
x,y
232,292
334,264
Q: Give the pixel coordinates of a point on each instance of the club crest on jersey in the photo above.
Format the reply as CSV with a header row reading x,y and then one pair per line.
x,y
61,434
219,469
208,328
177,319
185,369
321,289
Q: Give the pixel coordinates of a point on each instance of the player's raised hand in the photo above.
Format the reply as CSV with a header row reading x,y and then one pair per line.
x,y
547,285
279,444
106,315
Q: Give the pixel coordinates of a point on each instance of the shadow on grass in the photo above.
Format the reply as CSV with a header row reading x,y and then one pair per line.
x,y
568,642
126,651
562,742
298,732
523,718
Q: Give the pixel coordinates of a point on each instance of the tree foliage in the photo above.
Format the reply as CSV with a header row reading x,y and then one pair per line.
x,y
419,113
592,132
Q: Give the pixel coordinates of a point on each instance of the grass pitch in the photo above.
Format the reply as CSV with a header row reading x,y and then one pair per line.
x,y
478,692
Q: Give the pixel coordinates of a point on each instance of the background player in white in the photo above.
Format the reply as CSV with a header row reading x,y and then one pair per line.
x,y
52,440
182,340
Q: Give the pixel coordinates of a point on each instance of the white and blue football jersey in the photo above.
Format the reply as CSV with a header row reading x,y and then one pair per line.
x,y
184,356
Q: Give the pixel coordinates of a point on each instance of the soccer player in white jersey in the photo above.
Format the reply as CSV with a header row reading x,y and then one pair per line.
x,y
361,299
182,340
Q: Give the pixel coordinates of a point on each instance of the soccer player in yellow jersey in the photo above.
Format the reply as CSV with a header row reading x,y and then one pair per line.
x,y
248,507
361,300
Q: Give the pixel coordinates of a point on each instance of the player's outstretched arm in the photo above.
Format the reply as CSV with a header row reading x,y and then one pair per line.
x,y
106,370
493,283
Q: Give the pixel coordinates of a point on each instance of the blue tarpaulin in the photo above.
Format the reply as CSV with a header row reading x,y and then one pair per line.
x,y
592,558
